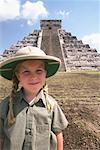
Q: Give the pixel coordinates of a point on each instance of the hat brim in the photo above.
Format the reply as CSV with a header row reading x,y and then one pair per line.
x,y
7,67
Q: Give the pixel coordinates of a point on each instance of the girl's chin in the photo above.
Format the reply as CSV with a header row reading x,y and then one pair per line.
x,y
33,89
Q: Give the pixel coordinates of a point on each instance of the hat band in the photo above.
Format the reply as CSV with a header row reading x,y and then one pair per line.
x,y
6,69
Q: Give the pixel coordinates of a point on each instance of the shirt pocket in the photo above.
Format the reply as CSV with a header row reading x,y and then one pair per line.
x,y
42,137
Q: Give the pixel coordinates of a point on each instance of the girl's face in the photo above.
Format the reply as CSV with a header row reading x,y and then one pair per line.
x,y
32,76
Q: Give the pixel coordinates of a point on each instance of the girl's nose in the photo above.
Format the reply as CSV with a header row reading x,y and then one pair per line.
x,y
34,75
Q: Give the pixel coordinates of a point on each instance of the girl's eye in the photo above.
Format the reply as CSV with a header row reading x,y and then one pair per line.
x,y
36,72
40,71
25,72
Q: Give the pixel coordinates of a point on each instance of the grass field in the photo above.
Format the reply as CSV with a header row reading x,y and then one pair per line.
x,y
78,94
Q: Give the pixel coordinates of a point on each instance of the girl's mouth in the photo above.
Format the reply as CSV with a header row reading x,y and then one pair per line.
x,y
34,83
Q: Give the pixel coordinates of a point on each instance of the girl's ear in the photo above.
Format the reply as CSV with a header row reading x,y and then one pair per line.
x,y
16,71
17,75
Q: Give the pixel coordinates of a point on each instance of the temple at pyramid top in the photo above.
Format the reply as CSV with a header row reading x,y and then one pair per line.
x,y
56,41
50,24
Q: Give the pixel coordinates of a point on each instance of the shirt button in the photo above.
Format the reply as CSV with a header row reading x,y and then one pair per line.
x,y
28,131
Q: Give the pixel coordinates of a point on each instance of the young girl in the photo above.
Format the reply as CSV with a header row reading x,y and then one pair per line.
x,y
30,119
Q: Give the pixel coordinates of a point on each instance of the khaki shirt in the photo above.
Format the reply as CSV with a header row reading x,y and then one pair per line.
x,y
35,126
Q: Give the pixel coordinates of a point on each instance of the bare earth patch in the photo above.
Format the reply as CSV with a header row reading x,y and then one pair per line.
x,y
78,94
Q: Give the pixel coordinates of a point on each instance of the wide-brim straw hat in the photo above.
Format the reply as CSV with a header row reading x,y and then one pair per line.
x,y
29,53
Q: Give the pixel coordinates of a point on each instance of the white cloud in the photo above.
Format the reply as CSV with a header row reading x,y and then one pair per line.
x,y
12,9
62,13
93,40
9,9
32,11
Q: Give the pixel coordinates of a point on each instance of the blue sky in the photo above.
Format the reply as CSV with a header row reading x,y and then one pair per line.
x,y
18,18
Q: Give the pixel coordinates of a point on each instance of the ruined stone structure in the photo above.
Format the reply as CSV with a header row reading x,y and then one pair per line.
x,y
57,42
31,39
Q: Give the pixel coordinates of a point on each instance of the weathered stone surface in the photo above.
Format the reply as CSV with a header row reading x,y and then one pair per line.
x,y
57,42
31,40
78,56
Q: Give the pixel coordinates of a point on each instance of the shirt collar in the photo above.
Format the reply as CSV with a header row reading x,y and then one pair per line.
x,y
40,96
21,97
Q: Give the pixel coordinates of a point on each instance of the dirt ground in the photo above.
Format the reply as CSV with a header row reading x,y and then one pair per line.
x,y
83,132
79,97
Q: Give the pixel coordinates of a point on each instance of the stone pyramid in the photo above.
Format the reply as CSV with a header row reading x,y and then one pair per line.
x,y
55,41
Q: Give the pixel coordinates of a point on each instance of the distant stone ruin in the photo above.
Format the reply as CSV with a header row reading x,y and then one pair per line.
x,y
57,42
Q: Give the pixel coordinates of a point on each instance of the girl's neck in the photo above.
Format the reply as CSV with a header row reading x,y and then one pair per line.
x,y
29,96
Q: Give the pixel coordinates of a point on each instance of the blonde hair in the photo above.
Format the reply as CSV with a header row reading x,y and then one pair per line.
x,y
48,104
10,116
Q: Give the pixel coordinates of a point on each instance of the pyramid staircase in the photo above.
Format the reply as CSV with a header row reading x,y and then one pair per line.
x,y
78,56
77,93
54,40
30,40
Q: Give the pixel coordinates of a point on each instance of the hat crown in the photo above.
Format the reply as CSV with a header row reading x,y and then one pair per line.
x,y
29,53
30,50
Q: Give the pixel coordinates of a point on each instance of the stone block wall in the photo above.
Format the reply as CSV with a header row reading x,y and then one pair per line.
x,y
57,42
78,56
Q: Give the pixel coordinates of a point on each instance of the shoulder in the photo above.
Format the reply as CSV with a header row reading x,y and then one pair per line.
x,y
4,102
59,121
4,107
52,100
